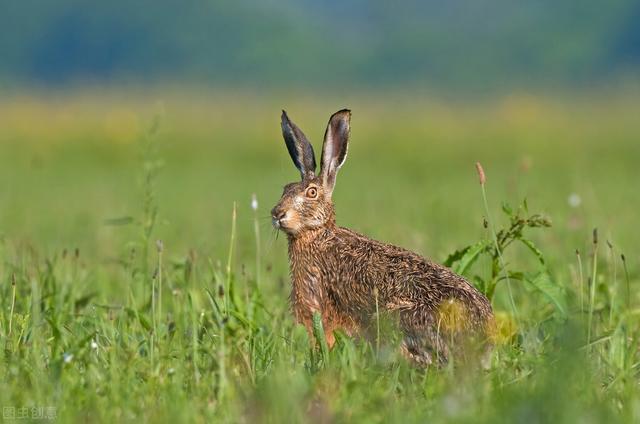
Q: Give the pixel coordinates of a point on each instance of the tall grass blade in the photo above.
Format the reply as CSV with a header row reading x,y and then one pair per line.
x,y
318,333
592,291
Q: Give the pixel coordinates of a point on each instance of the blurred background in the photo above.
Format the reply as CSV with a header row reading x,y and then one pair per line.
x,y
544,93
354,43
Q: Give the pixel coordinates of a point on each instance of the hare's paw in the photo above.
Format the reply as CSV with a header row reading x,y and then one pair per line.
x,y
417,357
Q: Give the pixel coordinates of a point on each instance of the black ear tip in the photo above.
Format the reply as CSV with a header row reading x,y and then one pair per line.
x,y
284,115
342,113
284,120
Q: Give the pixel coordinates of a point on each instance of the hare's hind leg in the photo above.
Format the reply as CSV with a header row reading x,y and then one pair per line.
x,y
422,342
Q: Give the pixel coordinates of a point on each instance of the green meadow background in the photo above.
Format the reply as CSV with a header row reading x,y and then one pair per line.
x,y
138,283
71,162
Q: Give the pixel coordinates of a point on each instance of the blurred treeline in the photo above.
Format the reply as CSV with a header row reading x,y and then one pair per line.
x,y
310,42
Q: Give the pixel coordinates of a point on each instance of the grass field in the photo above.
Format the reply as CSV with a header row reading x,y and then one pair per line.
x,y
100,322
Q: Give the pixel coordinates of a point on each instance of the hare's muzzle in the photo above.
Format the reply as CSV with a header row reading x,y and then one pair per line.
x,y
277,215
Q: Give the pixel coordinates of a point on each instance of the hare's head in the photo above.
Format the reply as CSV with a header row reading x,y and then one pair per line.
x,y
307,204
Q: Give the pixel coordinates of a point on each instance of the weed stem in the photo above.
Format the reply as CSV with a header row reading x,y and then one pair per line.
x,y
592,292
495,241
13,300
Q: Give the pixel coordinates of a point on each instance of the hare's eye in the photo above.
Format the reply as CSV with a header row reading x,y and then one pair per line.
x,y
312,192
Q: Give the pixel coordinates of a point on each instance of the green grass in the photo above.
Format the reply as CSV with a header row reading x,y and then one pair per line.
x,y
87,186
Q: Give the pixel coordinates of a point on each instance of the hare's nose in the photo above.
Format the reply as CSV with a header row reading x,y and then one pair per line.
x,y
276,216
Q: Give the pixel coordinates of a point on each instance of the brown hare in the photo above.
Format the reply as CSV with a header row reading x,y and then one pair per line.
x,y
343,275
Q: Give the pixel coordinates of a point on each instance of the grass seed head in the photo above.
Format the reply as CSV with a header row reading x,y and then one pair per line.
x,y
481,174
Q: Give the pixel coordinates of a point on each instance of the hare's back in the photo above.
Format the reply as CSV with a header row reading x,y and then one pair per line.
x,y
402,276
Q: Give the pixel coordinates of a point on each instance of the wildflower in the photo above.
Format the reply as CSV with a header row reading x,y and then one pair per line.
x,y
94,345
254,202
67,357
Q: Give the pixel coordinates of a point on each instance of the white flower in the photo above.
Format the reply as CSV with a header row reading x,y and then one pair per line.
x,y
94,345
574,200
254,202
67,357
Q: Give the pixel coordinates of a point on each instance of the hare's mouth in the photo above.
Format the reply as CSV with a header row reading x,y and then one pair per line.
x,y
284,222
278,220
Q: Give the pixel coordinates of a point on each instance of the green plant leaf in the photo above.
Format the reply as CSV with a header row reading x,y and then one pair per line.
x,y
479,282
534,249
514,275
123,220
55,331
455,256
507,209
83,301
470,256
144,322
318,332
542,282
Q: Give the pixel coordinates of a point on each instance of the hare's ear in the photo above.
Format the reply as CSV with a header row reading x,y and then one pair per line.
x,y
299,148
334,149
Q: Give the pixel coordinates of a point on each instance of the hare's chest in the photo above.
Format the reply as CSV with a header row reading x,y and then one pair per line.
x,y
307,290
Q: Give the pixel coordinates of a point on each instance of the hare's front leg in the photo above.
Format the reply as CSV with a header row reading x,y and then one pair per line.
x,y
304,316
423,344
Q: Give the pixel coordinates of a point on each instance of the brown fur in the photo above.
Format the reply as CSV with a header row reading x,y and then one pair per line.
x,y
342,274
